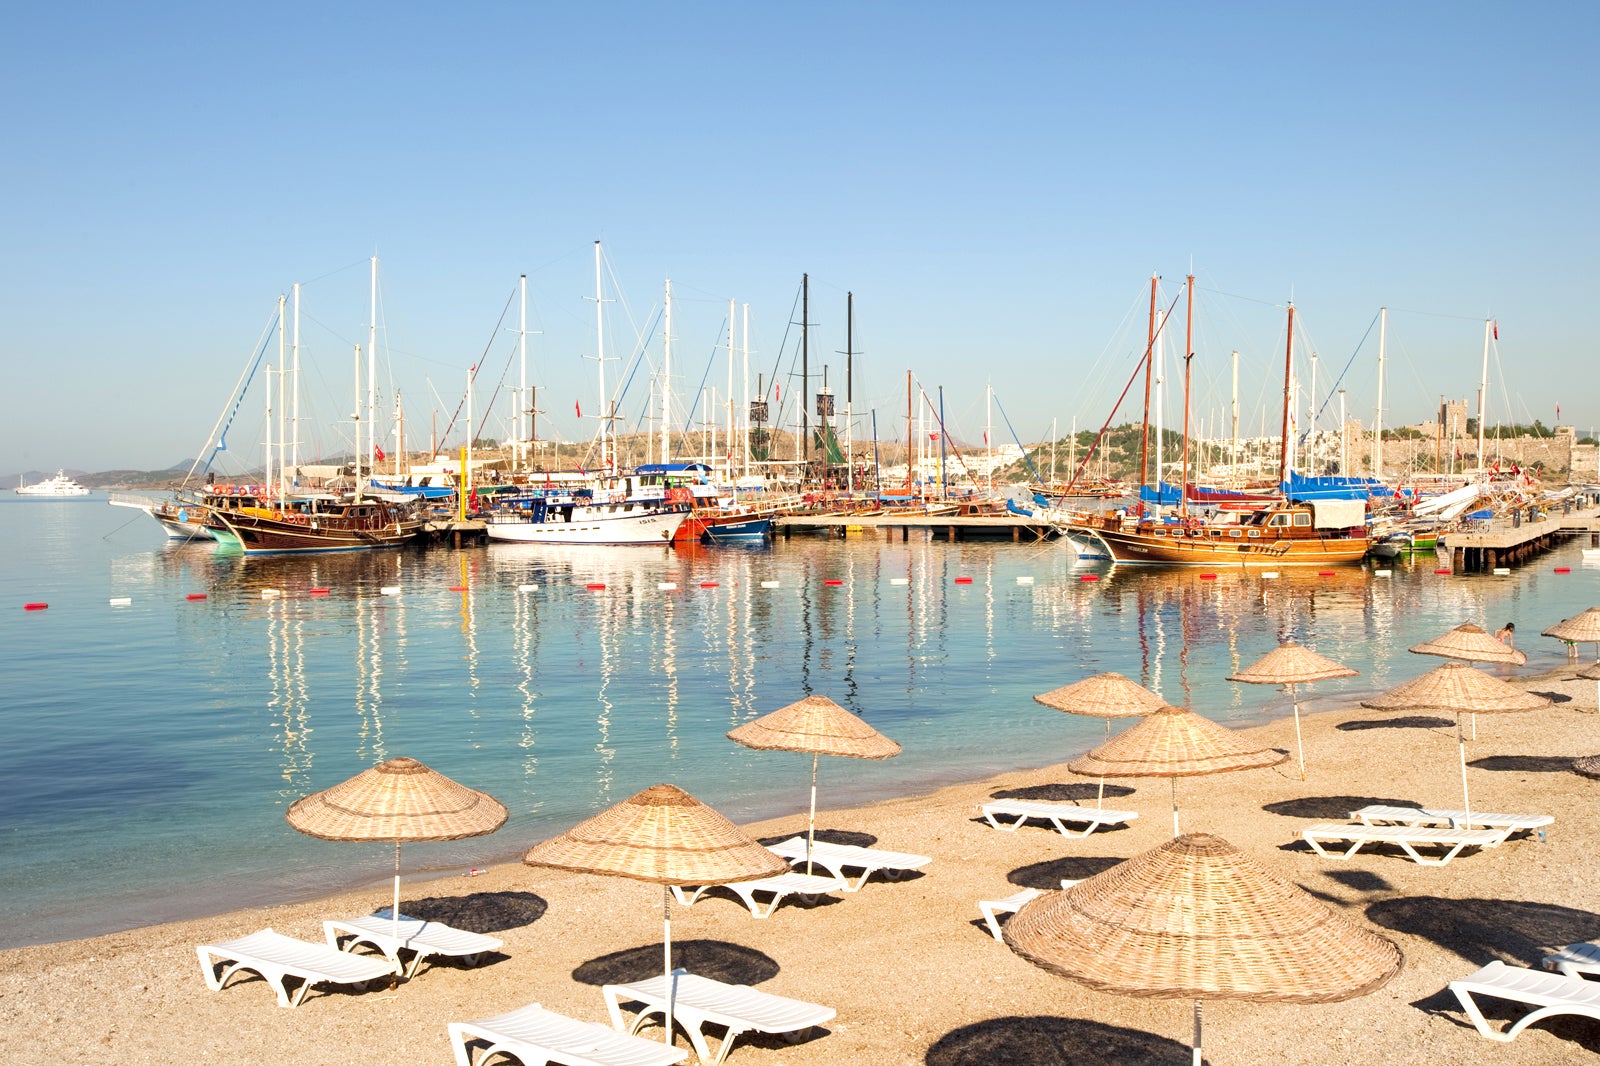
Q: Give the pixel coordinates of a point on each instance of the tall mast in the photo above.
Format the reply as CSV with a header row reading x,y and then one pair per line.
x,y
805,367
1288,368
522,359
372,373
294,420
1483,391
746,390
358,423
1377,418
1144,433
666,371
988,429
1188,359
849,390
1311,419
731,410
282,364
466,472
1159,357
1233,447
910,440
600,352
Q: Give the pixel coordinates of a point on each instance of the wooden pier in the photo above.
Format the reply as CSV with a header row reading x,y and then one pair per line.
x,y
455,532
1528,532
1018,529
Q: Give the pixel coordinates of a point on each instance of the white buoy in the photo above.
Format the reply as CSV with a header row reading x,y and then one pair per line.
x,y
271,594
527,588
899,581
1269,575
1381,573
389,590
1025,580
666,586
769,584
121,601
1502,570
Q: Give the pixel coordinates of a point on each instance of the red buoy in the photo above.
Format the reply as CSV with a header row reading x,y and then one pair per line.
x,y
319,591
1208,577
458,588
1563,569
833,581
1324,573
34,606
1088,577
963,581
709,584
195,596
595,586
1442,571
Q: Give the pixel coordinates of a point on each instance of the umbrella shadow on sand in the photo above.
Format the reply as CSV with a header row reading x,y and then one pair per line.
x,y
1330,808
1047,876
1048,1041
1414,721
1515,932
1524,764
850,837
719,960
480,912
1061,792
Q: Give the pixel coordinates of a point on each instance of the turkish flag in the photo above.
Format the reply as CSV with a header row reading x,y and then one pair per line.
x,y
578,408
377,453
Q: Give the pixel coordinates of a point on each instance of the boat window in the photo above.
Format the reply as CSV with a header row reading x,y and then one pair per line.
x,y
1279,520
1302,519
1256,518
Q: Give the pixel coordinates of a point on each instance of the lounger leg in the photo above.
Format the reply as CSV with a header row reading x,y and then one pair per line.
x,y
701,1048
1477,1017
1069,834
992,919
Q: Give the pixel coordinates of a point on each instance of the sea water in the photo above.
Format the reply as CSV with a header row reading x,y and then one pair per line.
x,y
160,715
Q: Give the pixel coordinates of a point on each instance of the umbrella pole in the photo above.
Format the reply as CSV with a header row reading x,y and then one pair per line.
x,y
394,914
1299,741
1101,800
811,822
1197,1053
1466,800
666,955
1174,781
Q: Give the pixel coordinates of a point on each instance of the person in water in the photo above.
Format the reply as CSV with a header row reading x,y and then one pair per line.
x,y
1507,634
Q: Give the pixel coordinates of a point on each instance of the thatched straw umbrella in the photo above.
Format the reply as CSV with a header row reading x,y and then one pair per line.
x,y
1581,628
1107,696
1198,919
666,836
1174,742
397,800
1459,689
819,726
1290,664
1471,644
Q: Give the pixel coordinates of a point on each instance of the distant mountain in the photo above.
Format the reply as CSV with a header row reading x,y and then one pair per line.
x,y
108,479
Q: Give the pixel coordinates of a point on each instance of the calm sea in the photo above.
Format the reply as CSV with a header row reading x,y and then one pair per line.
x,y
150,750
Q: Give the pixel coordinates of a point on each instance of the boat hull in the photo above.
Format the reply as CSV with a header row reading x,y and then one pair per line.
x,y
1181,549
601,524
257,534
742,530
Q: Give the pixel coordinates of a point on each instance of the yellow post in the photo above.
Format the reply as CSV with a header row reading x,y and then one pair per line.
x,y
462,486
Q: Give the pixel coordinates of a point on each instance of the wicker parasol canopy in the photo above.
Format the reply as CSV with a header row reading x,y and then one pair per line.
x,y
1588,765
1591,673
1459,688
1472,644
1174,742
397,800
1581,628
663,835
817,725
1292,664
1108,695
1196,918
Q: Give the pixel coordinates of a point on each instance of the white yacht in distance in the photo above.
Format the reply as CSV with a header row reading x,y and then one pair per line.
x,y
60,485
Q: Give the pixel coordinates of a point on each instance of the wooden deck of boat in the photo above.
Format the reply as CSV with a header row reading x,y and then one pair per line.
x,y
891,526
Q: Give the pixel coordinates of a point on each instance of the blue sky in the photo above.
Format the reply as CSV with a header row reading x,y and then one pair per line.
x,y
995,187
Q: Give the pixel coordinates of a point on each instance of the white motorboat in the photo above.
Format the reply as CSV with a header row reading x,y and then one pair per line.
x,y
60,485
568,520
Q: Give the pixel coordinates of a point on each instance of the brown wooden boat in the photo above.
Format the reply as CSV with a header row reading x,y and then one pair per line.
x,y
1275,535
315,526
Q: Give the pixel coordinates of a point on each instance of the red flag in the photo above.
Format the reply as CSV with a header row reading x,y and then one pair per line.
x,y
1497,329
986,436
578,408
933,436
777,393
1558,412
377,452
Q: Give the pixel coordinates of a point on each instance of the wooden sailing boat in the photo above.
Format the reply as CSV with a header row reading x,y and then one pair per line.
x,y
1279,533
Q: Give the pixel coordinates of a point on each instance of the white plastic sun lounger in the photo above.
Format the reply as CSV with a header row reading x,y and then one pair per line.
x,y
836,858
991,909
1406,837
276,957
424,938
778,887
1506,824
1575,960
698,1001
1059,815
537,1036
1551,993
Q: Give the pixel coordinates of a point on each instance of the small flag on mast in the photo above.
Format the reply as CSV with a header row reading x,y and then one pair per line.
x,y
1497,329
576,406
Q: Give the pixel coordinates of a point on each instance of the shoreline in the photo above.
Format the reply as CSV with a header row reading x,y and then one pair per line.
x,y
911,971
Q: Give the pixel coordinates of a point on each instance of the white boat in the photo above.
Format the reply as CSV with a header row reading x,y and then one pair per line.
x,y
180,519
60,485
568,520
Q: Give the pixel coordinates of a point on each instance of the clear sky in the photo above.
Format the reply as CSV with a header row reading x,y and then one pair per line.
x,y
994,183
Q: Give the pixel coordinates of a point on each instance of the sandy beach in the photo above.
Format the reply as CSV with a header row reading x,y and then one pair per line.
x,y
909,967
